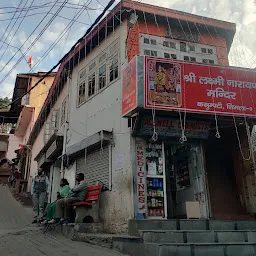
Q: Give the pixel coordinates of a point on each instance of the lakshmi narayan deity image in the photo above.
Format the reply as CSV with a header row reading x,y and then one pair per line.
x,y
165,84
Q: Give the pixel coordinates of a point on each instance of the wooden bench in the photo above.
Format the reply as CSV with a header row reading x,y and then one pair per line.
x,y
89,208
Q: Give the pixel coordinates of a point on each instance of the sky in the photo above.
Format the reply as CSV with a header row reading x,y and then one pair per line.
x,y
27,22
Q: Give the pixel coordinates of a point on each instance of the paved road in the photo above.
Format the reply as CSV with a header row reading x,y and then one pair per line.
x,y
20,238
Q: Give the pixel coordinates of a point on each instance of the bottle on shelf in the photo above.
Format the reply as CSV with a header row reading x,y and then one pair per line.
x,y
153,202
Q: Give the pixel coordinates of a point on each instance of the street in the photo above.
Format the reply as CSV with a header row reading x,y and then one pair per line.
x,y
18,237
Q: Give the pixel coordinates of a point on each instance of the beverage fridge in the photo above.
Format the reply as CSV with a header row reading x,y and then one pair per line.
x,y
155,181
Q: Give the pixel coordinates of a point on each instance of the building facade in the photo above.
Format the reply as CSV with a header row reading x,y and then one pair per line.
x,y
122,90
27,108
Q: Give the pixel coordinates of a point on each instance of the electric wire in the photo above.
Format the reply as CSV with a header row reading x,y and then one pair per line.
x,y
33,43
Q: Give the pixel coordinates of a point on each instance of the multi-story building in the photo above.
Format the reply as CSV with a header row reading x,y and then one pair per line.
x,y
145,109
27,109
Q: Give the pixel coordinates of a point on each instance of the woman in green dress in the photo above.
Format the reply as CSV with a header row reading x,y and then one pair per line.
x,y
51,208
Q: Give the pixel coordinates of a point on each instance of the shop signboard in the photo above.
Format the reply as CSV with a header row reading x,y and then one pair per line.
x,y
129,88
141,176
193,87
172,128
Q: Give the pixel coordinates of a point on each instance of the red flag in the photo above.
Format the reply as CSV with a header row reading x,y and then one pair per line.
x,y
30,61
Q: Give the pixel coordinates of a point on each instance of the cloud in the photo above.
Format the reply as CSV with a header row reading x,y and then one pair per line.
x,y
6,89
51,34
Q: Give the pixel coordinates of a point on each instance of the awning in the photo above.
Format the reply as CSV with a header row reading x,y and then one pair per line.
x,y
102,136
24,120
50,149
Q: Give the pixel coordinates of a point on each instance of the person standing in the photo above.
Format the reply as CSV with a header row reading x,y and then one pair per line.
x,y
39,191
64,206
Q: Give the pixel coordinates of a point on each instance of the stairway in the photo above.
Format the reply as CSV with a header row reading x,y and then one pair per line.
x,y
189,238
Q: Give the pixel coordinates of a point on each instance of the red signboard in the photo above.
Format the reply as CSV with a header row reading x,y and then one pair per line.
x,y
129,88
193,87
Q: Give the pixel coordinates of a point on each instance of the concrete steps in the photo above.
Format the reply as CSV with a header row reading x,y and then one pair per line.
x,y
234,249
191,238
199,236
175,238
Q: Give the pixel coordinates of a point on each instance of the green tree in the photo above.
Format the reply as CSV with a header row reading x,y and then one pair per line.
x,y
4,102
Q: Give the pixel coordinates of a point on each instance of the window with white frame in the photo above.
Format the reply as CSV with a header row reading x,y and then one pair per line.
x,y
81,87
183,47
114,62
114,68
102,76
146,40
191,48
99,73
54,120
63,112
81,93
169,44
178,50
208,61
47,132
150,53
189,58
102,72
174,56
91,84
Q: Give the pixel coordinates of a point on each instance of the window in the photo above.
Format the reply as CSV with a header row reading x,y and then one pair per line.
x,y
203,50
166,44
102,57
91,84
206,61
154,53
153,41
191,48
46,132
146,40
147,52
102,76
54,120
63,112
210,51
169,44
167,55
114,49
174,56
183,47
172,45
92,66
113,69
81,93
192,59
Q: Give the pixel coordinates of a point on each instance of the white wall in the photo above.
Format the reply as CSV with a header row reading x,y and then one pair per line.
x,y
103,112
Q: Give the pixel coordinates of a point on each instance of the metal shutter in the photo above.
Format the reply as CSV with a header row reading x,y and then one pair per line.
x,y
80,165
95,167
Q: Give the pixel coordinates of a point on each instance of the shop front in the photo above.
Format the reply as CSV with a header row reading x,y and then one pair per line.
x,y
171,179
192,149
49,158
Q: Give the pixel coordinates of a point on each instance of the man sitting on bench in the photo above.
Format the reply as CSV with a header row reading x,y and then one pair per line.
x,y
76,194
